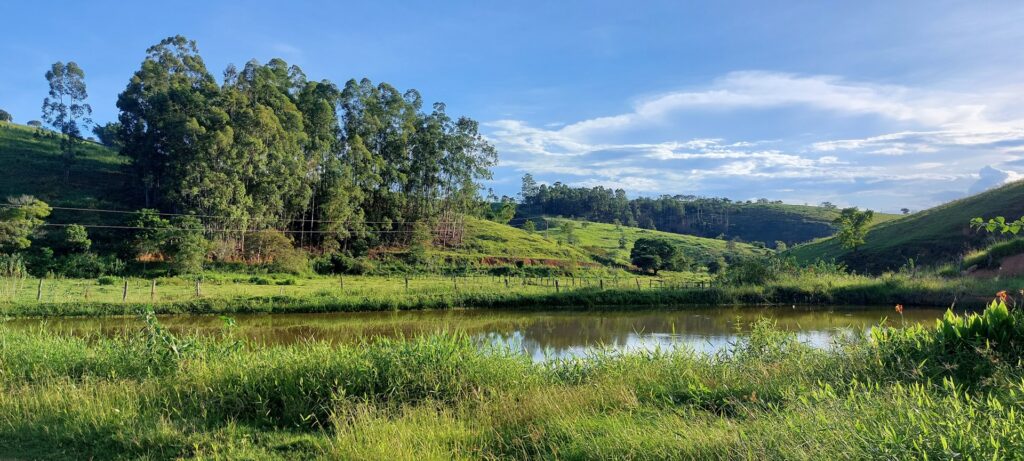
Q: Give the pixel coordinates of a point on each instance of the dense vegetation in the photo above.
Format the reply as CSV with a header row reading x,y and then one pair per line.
x,y
952,391
750,221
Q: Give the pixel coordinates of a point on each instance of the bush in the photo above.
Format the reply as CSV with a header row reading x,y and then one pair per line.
x,y
106,280
969,348
275,250
88,265
338,263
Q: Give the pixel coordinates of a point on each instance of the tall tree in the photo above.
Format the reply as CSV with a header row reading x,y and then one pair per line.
x,y
65,108
177,136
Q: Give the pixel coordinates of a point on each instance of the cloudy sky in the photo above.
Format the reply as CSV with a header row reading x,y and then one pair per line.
x,y
859,103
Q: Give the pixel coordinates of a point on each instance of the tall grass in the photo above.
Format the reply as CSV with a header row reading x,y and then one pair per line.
x,y
381,294
151,394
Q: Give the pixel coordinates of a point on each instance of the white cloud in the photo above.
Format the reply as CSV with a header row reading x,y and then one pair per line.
x,y
957,131
990,177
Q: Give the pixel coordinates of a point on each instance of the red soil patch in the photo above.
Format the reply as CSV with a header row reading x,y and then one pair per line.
x,y
1009,266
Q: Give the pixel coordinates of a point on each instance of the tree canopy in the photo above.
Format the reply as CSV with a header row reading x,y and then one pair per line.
x,y
853,227
270,149
654,254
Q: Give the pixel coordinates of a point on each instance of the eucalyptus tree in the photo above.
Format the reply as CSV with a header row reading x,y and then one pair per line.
x,y
65,108
176,133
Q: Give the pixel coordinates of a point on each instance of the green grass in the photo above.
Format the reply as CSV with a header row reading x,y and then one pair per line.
x,y
32,165
153,395
502,244
227,294
992,256
602,241
933,236
768,222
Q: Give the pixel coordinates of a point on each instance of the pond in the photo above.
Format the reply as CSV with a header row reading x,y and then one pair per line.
x,y
540,334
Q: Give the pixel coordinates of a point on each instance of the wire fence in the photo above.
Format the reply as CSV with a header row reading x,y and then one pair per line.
x,y
18,290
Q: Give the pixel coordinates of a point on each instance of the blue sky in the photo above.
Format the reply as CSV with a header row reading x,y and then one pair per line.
x,y
876,104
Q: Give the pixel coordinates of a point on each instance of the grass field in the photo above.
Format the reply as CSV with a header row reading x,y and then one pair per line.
x,y
602,240
229,293
932,236
152,395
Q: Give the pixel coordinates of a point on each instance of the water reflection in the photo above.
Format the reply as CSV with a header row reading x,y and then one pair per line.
x,y
539,334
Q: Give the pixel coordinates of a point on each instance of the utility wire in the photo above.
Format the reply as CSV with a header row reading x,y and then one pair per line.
x,y
101,210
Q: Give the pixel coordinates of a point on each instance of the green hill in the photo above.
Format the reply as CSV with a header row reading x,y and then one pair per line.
x,y
932,236
602,241
487,239
30,163
770,222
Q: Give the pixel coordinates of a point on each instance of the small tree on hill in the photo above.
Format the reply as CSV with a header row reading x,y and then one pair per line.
x,y
529,226
853,226
569,229
5,116
108,134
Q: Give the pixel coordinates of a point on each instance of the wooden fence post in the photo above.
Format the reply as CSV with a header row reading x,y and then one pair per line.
x,y
199,291
637,284
124,294
341,283
556,285
39,291
152,290
407,284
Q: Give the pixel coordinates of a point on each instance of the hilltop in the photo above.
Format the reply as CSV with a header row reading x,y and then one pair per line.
x,y
931,236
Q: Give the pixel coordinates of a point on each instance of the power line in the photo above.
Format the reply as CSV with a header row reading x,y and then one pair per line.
x,y
248,231
137,212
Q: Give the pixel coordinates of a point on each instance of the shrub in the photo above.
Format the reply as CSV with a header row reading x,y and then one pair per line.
x,y
88,265
338,263
76,238
106,280
276,251
968,348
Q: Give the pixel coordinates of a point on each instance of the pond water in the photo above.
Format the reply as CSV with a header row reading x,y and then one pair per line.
x,y
540,334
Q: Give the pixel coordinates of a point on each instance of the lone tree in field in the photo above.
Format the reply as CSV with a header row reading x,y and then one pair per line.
x,y
66,109
853,226
5,116
653,254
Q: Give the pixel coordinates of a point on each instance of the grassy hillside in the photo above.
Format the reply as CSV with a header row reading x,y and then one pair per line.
x,y
488,239
602,241
788,223
932,236
30,163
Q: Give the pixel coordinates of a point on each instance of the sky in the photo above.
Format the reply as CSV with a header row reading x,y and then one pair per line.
x,y
878,104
